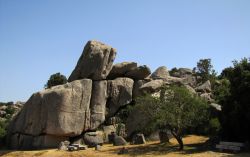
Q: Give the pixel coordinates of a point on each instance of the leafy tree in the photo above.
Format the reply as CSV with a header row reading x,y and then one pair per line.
x,y
235,117
176,110
205,70
56,79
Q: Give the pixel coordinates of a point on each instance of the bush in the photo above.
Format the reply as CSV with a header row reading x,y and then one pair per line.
x,y
56,79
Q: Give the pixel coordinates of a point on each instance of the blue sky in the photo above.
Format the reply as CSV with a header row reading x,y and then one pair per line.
x,y
39,38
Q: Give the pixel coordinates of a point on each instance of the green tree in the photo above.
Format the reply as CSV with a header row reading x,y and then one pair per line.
x,y
176,110
235,117
205,70
56,79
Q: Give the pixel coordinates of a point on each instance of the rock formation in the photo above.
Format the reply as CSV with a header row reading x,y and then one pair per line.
x,y
95,92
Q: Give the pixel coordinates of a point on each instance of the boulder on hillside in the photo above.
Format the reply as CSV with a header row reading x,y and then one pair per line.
x,y
160,73
182,72
139,73
98,103
204,88
95,62
174,80
120,69
120,94
152,86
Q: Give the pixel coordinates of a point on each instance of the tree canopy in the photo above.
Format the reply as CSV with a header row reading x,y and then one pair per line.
x,y
56,79
176,110
235,117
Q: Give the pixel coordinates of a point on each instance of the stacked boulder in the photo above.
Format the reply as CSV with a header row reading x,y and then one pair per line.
x,y
81,105
96,91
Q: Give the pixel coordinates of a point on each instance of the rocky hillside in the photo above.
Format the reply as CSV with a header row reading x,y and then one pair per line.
x,y
96,91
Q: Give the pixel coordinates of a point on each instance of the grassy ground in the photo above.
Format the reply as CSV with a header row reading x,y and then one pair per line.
x,y
194,147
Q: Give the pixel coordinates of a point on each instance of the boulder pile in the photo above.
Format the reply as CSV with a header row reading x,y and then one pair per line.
x,y
95,92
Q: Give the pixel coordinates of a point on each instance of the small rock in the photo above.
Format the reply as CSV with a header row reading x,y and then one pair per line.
x,y
119,141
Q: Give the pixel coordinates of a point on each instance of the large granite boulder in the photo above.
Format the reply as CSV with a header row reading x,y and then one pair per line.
x,y
61,111
160,73
120,94
98,103
139,73
121,69
95,62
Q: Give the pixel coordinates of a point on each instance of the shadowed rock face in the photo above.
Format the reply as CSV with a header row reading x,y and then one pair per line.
x,y
95,62
120,94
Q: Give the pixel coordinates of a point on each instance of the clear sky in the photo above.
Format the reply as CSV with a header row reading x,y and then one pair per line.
x,y
39,38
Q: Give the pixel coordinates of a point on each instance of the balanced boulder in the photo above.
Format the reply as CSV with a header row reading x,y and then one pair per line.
x,y
121,69
95,62
139,73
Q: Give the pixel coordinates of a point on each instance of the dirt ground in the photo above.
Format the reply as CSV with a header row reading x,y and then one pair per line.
x,y
194,147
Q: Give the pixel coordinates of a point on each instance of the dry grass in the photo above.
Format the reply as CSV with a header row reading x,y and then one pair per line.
x,y
194,147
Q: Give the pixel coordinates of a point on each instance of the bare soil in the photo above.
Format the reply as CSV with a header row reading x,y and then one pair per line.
x,y
195,146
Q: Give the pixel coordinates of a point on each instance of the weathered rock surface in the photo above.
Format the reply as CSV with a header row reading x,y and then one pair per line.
x,y
98,103
120,94
107,130
160,73
25,142
139,73
119,141
95,62
152,86
93,138
121,69
205,87
62,111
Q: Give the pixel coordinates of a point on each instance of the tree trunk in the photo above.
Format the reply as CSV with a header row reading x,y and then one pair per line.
x,y
178,138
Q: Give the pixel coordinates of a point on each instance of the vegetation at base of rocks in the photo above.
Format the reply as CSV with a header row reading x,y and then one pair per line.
x,y
55,79
175,110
